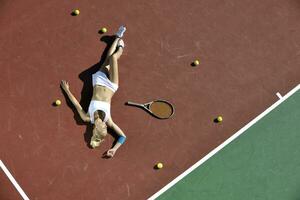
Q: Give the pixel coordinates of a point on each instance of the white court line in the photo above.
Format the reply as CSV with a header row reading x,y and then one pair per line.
x,y
13,181
226,142
279,95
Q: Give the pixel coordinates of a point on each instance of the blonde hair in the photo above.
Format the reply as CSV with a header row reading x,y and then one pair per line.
x,y
99,130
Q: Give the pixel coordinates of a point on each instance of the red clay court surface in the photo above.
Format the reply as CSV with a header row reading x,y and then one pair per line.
x,y
248,51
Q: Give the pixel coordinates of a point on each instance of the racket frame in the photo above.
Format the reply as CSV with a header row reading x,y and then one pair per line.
x,y
146,106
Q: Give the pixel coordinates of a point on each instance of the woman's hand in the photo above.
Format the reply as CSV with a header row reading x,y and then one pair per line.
x,y
65,85
110,153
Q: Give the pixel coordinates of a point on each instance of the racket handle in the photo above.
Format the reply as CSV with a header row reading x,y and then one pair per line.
x,y
134,104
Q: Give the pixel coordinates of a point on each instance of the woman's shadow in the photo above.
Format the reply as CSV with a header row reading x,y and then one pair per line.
x,y
87,91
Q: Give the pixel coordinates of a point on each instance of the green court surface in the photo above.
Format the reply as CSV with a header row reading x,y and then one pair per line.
x,y
263,163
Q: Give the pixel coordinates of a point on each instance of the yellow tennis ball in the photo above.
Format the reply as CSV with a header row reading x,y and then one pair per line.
x,y
159,165
196,62
76,12
57,102
220,119
103,30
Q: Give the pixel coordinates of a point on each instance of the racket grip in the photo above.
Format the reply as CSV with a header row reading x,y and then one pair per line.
x,y
133,104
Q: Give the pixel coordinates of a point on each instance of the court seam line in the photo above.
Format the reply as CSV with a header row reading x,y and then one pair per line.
x,y
226,142
279,95
13,181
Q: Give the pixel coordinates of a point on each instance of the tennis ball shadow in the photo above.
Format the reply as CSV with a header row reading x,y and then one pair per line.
x,y
108,39
216,120
54,104
73,14
100,32
193,64
155,167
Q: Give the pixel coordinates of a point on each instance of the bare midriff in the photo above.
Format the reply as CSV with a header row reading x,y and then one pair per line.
x,y
102,93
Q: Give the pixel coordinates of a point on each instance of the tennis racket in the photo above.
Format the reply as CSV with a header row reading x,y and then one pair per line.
x,y
158,108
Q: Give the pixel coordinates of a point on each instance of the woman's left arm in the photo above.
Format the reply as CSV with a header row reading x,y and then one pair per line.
x,y
82,114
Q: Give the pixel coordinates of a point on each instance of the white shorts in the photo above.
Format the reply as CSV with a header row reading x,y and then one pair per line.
x,y
100,78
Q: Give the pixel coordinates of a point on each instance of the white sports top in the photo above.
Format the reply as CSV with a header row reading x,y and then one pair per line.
x,y
99,105
100,78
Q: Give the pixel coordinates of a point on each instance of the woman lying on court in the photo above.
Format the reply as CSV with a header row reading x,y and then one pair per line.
x,y
103,91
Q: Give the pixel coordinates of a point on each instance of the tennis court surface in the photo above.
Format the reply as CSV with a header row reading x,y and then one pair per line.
x,y
249,58
258,162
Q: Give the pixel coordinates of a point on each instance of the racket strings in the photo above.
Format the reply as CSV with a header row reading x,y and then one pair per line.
x,y
161,109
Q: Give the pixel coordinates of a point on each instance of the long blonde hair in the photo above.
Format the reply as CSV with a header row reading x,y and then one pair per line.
x,y
99,130
100,127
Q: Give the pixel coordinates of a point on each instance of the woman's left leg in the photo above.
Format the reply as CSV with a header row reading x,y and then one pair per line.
x,y
113,62
111,50
113,47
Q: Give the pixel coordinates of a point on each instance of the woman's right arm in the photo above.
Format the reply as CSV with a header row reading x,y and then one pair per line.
x,y
121,139
83,115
